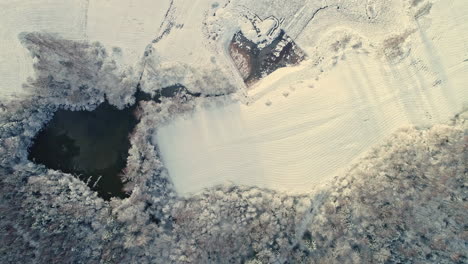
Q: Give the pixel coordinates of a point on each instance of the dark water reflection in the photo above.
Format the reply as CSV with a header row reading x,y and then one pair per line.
x,y
92,145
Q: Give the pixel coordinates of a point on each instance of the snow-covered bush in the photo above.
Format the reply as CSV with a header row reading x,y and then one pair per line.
x,y
75,74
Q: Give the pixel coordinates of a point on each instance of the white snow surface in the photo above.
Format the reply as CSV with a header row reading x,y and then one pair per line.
x,y
300,126
127,24
16,16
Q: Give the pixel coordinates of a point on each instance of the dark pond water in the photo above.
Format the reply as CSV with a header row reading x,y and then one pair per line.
x,y
92,145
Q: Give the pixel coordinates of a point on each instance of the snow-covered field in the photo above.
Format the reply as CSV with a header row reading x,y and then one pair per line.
x,y
301,128
17,16
126,24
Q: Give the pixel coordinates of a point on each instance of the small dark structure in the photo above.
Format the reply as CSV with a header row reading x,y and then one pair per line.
x,y
254,63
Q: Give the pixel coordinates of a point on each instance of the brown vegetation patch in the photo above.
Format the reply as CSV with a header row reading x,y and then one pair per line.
x,y
255,63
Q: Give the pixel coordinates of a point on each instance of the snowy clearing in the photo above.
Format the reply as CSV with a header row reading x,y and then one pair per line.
x,y
298,132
